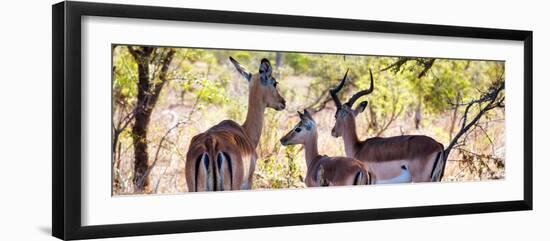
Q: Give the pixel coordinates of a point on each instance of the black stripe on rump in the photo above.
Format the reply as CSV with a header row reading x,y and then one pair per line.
x,y
357,178
435,165
197,165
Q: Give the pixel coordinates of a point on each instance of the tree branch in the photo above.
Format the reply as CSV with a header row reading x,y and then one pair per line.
x,y
161,142
427,63
490,101
320,103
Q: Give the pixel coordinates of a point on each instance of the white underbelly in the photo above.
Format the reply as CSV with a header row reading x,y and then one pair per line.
x,y
404,177
388,169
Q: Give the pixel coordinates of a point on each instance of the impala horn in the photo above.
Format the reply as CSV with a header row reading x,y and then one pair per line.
x,y
357,95
334,91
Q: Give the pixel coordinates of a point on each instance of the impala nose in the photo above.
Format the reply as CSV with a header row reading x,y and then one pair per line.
x,y
282,105
283,141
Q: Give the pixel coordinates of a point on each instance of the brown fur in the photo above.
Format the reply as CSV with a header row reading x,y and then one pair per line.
x,y
228,137
231,144
418,152
324,170
402,147
336,171
386,155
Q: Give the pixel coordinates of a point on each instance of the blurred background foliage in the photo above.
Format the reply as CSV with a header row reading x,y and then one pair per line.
x,y
412,96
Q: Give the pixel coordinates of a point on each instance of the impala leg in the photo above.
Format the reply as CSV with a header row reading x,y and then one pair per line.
x,y
439,167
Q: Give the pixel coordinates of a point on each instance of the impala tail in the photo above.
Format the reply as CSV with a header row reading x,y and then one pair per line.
x,y
363,178
213,168
439,166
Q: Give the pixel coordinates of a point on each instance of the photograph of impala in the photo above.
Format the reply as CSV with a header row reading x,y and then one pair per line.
x,y
195,120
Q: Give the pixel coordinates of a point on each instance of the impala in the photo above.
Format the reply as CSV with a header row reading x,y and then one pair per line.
x,y
224,156
323,170
421,154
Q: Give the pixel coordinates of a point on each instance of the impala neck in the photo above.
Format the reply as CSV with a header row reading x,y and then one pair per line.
x,y
254,119
310,148
351,141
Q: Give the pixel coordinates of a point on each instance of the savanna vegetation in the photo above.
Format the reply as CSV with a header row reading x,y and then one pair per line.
x,y
162,97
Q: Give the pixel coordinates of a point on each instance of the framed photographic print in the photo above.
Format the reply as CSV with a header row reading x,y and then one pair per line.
x,y
170,120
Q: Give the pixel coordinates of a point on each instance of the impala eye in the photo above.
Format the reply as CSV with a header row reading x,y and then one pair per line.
x,y
298,129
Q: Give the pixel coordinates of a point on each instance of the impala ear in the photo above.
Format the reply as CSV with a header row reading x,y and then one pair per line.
x,y
360,108
308,121
301,115
265,71
307,114
242,70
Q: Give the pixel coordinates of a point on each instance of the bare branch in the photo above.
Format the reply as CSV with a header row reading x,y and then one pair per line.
x,y
487,102
394,114
146,174
487,136
427,64
397,65
320,103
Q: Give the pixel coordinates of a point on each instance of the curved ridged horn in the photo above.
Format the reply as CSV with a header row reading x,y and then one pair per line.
x,y
334,91
362,92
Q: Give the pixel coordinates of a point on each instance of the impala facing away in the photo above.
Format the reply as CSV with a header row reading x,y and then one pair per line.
x,y
384,156
224,156
324,170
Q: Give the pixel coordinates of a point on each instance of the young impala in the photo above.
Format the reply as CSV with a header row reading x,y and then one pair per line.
x,y
384,156
324,170
224,156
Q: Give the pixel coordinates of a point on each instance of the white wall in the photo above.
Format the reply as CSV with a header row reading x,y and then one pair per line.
x,y
25,123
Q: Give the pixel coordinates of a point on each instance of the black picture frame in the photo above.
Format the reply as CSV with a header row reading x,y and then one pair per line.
x,y
66,128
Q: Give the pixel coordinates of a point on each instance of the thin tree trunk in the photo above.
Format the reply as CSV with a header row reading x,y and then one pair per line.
x,y
373,123
147,96
141,122
418,114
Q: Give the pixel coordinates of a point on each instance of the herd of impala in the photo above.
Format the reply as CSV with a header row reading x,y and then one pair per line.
x,y
224,157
